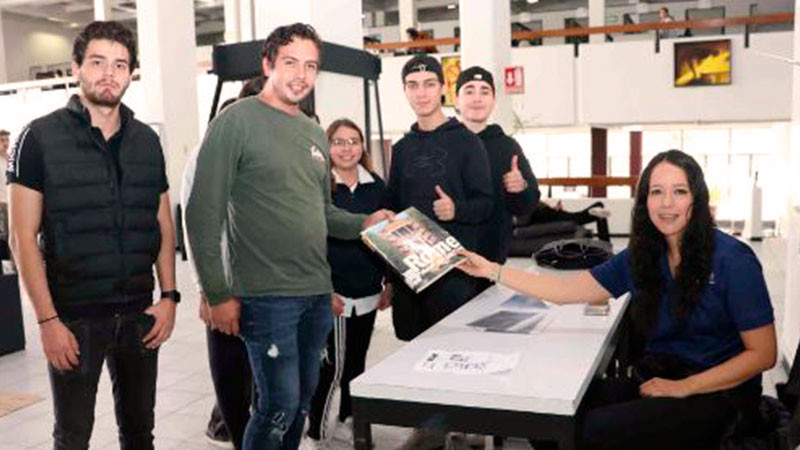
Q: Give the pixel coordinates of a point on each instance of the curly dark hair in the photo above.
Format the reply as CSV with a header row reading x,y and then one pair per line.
x,y
648,247
109,30
284,35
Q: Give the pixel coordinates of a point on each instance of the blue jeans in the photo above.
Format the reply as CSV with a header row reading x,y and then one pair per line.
x,y
133,368
285,337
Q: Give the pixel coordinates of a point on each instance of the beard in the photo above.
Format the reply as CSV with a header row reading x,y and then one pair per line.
x,y
101,96
100,99
290,97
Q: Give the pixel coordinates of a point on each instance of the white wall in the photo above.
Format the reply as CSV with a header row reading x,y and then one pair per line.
x,y
31,42
791,312
549,98
626,83
629,83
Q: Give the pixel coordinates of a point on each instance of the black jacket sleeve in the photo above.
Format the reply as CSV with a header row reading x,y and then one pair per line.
x,y
477,205
391,198
523,203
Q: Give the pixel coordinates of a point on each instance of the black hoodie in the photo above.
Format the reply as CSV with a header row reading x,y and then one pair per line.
x,y
452,157
496,236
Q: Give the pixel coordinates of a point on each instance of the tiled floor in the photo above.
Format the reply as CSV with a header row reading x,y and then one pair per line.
x,y
185,395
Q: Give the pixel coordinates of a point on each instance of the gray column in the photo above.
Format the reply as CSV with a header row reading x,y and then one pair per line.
x,y
408,16
233,20
169,78
3,67
102,10
486,42
790,335
597,18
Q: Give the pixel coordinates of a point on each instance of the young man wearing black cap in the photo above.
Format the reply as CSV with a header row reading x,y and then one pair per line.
x,y
442,169
516,191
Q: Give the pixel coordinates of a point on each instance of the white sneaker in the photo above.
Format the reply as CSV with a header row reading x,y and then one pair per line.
x,y
599,211
424,439
311,444
343,431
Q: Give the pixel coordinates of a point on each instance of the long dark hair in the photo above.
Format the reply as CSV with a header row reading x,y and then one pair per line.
x,y
648,246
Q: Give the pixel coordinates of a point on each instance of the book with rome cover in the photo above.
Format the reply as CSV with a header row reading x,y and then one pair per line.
x,y
415,246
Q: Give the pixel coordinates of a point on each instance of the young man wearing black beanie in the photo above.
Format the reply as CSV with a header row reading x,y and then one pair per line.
x,y
516,190
440,168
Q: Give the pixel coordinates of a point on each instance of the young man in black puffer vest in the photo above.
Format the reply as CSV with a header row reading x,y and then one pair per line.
x,y
88,181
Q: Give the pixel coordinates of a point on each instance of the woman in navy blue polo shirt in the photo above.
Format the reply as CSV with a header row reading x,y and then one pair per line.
x,y
699,299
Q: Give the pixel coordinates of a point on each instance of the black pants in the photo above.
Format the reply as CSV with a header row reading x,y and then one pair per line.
x,y
117,341
546,213
233,381
618,417
345,359
413,313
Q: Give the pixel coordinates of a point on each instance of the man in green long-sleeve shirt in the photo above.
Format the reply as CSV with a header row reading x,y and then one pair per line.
x,y
263,171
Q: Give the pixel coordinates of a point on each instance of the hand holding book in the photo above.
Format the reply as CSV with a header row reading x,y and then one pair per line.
x,y
376,217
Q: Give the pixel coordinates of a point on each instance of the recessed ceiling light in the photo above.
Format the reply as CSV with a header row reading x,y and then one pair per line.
x,y
452,6
530,2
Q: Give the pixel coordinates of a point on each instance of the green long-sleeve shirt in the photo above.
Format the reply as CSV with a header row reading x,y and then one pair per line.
x,y
268,174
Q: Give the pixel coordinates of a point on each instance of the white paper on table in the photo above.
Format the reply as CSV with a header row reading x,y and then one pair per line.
x,y
467,363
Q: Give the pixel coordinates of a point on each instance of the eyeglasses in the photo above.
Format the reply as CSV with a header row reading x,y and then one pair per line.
x,y
352,142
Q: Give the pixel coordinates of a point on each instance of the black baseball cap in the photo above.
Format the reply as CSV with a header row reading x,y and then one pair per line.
x,y
423,63
474,73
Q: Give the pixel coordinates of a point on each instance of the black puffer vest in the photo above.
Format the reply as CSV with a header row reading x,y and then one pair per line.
x,y
100,236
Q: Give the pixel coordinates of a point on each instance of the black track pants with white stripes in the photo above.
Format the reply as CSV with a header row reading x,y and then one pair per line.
x,y
344,360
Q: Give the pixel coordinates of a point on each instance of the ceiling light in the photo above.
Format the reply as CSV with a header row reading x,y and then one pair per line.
x,y
452,6
531,2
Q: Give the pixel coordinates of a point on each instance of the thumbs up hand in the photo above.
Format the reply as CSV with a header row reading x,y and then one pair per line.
x,y
513,180
443,206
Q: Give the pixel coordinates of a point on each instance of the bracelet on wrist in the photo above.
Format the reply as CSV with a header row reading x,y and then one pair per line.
x,y
497,274
47,320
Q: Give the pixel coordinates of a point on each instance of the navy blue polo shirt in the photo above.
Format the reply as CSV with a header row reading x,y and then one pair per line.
x,y
735,300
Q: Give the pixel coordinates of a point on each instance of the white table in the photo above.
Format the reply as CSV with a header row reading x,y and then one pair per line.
x,y
539,398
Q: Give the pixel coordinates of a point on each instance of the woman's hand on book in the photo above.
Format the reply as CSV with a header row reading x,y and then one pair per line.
x,y
476,265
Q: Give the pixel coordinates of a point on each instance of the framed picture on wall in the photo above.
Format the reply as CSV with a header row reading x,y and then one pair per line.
x,y
451,67
703,63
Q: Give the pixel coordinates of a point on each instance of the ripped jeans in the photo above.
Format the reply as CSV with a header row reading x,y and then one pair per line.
x,y
285,337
